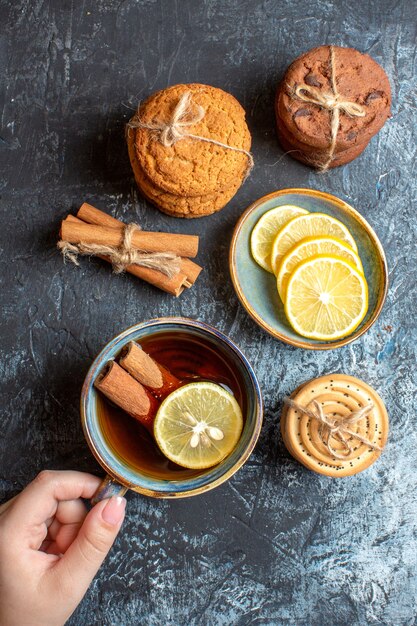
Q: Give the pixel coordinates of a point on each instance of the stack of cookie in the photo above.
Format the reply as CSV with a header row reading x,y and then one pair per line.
x,y
335,425
329,105
189,149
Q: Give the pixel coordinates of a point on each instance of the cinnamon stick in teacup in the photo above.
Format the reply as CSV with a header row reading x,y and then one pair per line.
x,y
127,393
188,274
147,371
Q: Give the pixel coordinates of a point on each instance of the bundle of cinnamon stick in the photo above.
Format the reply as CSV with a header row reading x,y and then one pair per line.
x,y
92,226
137,384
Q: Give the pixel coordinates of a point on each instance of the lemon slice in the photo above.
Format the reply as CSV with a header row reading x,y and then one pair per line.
x,y
327,298
308,247
198,425
266,229
303,226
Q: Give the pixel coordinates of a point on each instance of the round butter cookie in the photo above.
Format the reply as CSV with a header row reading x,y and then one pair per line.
x,y
191,167
173,205
339,395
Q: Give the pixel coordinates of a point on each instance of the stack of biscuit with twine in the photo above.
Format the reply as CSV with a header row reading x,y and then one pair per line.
x,y
330,103
189,149
335,425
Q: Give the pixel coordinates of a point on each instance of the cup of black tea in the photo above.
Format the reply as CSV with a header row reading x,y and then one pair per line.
x,y
126,449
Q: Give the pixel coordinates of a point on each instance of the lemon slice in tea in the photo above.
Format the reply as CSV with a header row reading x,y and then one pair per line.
x,y
303,226
327,298
198,425
308,247
266,229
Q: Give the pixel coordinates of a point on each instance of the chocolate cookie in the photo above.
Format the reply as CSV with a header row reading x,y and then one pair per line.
x,y
311,156
359,79
192,167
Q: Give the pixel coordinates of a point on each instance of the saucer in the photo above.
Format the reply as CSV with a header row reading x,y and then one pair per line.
x,y
256,288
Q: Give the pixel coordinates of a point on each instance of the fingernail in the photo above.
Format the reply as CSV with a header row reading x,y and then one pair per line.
x,y
114,509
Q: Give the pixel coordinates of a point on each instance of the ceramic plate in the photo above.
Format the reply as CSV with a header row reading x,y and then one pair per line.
x,y
256,288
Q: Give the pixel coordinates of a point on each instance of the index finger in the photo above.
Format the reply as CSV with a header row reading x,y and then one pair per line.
x,y
39,500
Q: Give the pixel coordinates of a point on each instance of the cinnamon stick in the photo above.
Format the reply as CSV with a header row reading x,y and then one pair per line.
x,y
147,371
181,245
92,215
127,393
191,270
187,276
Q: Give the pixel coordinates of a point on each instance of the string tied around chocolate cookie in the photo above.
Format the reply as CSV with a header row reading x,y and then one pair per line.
x,y
175,129
334,102
123,255
336,426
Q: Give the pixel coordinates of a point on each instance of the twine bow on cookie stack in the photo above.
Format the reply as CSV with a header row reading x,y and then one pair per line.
x,y
189,147
337,427
334,102
174,129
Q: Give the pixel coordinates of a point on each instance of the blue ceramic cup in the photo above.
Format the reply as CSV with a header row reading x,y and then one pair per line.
x,y
123,474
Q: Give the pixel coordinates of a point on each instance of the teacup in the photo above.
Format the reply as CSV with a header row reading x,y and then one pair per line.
x,y
122,474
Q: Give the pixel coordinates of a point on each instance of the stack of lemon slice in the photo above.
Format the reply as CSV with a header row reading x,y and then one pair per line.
x,y
320,277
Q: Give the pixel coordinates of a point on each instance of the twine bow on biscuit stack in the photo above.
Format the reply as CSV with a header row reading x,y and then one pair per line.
x,y
189,147
337,427
174,129
333,102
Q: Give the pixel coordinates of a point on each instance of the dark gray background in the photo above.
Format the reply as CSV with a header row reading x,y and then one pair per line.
x,y
277,544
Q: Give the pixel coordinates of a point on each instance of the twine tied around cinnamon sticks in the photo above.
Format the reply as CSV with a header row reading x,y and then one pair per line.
x,y
333,102
175,129
123,255
336,427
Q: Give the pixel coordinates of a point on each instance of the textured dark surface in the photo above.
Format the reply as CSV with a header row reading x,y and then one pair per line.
x,y
277,544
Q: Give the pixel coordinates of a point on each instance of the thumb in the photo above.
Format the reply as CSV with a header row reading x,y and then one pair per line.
x,y
87,552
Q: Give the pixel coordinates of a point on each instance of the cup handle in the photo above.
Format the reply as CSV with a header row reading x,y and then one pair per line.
x,y
108,488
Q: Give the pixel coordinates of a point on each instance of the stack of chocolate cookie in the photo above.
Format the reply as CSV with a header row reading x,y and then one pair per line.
x,y
335,425
323,83
189,149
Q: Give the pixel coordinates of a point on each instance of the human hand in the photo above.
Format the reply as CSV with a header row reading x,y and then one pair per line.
x,y
51,548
